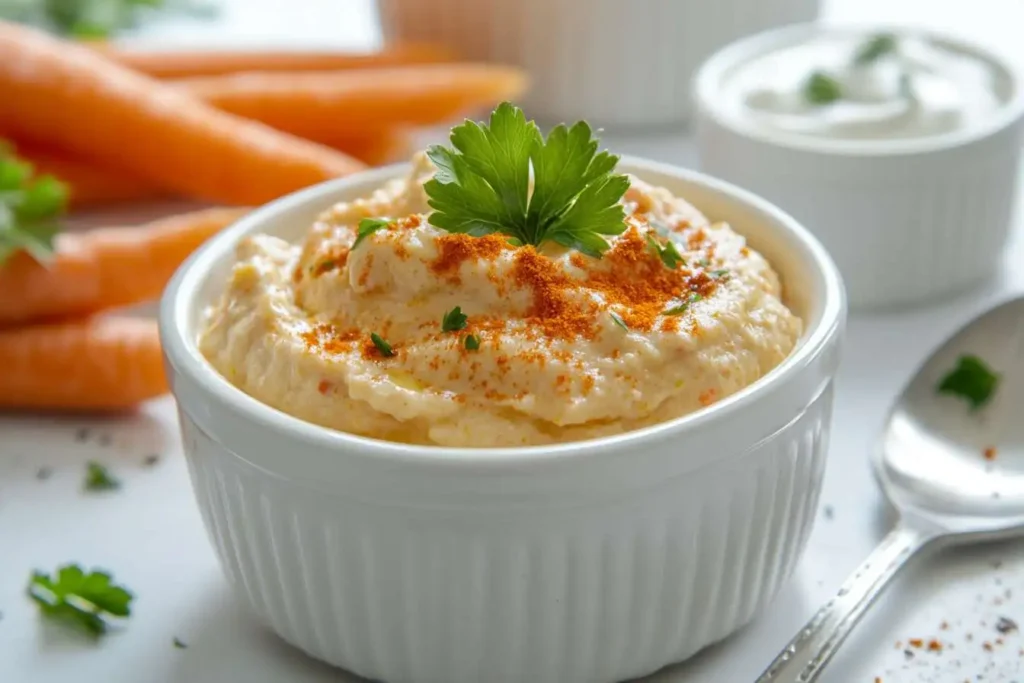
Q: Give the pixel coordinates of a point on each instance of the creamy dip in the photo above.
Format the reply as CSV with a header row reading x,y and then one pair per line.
x,y
866,87
556,346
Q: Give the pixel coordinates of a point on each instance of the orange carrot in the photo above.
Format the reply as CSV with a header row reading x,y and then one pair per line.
x,y
75,99
104,268
184,64
322,106
376,147
97,364
88,183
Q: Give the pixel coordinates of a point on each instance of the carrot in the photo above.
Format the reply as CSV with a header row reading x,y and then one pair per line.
x,y
74,98
96,364
377,147
322,106
184,64
104,268
88,183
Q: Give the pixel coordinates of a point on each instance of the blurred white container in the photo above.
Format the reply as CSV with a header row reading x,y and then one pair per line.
x,y
906,220
612,62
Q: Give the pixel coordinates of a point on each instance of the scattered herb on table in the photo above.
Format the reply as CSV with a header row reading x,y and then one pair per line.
x,y
668,253
454,320
382,346
93,18
875,48
971,380
1006,625
368,226
30,208
83,600
482,183
820,88
617,319
472,342
99,478
44,473
179,643
151,460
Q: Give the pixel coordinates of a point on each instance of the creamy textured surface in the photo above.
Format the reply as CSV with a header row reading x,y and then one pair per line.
x,y
922,88
553,364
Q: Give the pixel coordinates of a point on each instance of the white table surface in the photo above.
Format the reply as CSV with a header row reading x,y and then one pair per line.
x,y
150,534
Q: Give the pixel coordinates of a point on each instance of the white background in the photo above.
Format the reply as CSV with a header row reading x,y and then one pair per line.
x,y
149,532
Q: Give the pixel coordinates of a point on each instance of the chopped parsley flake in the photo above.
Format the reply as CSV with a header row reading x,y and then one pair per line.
x,y
99,478
619,321
454,320
80,599
971,380
875,48
668,254
472,342
368,226
820,88
682,308
179,643
382,346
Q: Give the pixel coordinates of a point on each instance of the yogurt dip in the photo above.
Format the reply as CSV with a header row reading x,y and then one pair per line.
x,y
885,86
423,336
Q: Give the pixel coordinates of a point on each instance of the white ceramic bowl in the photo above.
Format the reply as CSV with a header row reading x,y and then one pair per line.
x,y
593,561
611,62
907,221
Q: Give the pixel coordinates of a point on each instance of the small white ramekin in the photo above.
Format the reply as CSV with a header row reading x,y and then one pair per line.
x,y
611,62
595,561
907,221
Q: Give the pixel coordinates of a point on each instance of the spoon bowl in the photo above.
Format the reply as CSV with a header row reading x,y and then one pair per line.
x,y
946,463
953,471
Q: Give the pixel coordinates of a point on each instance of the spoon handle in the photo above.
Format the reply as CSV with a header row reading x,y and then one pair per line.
x,y
802,660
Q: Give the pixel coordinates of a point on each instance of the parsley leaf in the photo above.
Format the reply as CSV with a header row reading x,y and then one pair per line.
x,y
668,254
93,18
971,380
454,320
367,227
820,88
99,478
472,342
84,600
679,309
179,643
482,183
382,346
30,205
874,49
617,319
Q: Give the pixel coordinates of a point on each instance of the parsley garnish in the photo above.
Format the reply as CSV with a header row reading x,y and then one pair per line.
x,y
875,48
682,308
84,600
472,342
668,254
454,320
367,227
617,319
821,88
179,643
30,206
482,183
382,346
99,478
721,273
971,380
93,18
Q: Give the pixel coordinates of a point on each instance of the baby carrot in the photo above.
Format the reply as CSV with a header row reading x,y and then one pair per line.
x,y
320,106
89,184
104,268
75,99
96,364
183,64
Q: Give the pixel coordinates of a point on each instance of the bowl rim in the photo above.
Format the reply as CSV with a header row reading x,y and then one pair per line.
x,y
706,91
182,354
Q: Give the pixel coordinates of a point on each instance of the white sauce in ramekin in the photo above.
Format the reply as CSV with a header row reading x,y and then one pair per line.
x,y
914,87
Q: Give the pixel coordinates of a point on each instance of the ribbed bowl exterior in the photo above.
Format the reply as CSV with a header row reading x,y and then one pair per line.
x,y
903,228
597,592
608,61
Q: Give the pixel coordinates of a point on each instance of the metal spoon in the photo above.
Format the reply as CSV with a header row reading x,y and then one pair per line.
x,y
932,466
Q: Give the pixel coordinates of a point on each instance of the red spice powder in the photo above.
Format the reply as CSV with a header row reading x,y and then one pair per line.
x,y
934,646
454,249
323,387
990,453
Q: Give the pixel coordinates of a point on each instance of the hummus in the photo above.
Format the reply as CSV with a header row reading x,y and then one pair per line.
x,y
557,346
